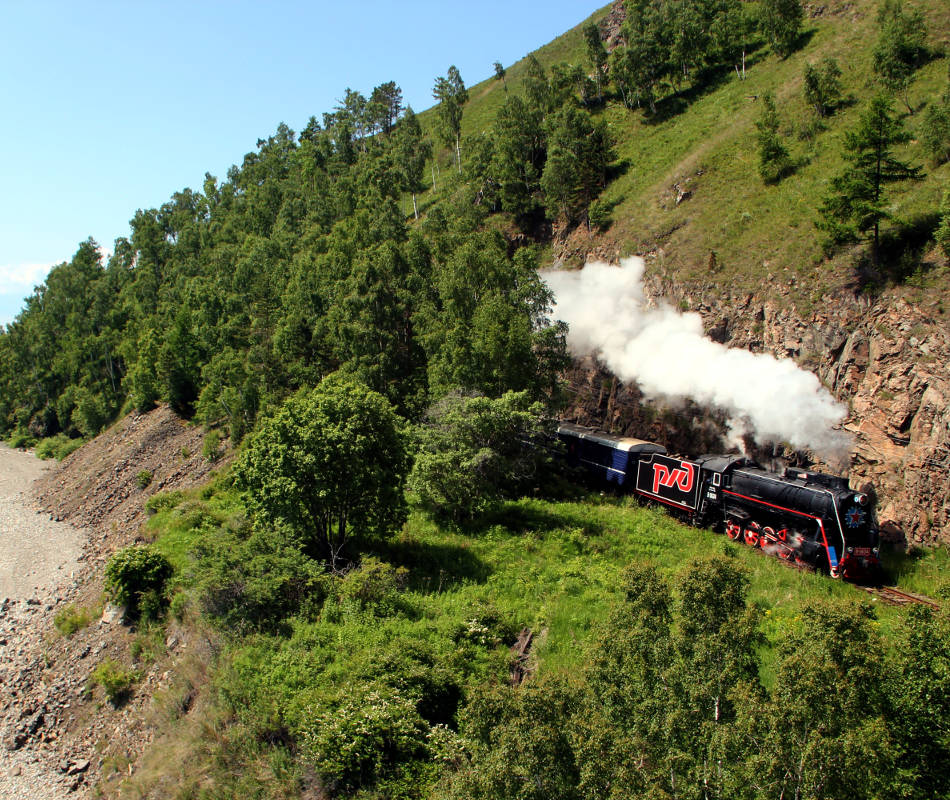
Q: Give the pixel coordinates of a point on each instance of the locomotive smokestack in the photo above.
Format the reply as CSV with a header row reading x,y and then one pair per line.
x,y
667,354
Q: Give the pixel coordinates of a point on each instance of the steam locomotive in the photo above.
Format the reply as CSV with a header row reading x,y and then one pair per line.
x,y
798,515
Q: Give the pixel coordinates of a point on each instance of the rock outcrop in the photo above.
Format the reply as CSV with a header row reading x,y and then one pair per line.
x,y
887,359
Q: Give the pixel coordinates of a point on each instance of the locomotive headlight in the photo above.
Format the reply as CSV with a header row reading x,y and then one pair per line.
x,y
875,550
851,550
861,499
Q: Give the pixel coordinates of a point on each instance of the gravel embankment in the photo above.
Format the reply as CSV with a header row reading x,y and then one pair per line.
x,y
37,555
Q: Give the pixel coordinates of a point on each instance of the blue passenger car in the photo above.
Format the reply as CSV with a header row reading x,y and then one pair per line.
x,y
609,458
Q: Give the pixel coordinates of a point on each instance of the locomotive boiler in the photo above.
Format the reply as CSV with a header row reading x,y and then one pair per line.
x,y
797,515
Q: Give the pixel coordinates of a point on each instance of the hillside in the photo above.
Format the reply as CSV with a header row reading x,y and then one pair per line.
x,y
386,594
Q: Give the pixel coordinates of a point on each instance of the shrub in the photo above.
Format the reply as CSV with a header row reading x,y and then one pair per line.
x,y
143,479
363,739
116,680
375,586
211,445
135,578
72,618
163,501
21,440
57,447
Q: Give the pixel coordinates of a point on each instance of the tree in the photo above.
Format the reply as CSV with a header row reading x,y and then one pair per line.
x,y
943,231
328,466
451,93
645,61
596,56
500,74
580,152
774,160
935,130
412,151
822,86
781,23
856,204
385,106
475,451
900,47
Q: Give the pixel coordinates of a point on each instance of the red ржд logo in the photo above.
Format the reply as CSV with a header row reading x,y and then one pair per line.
x,y
682,477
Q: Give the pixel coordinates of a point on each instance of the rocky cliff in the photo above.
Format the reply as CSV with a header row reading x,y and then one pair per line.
x,y
887,359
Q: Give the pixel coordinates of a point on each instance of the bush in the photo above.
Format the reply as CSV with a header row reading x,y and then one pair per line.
x,y
365,738
135,578
143,479
163,501
211,445
375,586
21,440
72,618
116,680
58,447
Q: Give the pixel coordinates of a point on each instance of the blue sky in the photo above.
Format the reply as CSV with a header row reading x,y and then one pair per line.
x,y
113,106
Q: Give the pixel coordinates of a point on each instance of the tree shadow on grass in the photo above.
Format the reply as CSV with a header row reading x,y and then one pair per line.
x,y
528,518
900,256
433,567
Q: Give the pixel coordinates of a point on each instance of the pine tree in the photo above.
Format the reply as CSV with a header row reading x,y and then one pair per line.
x,y
857,204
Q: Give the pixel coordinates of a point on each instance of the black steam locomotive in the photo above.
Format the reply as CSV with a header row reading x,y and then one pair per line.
x,y
798,515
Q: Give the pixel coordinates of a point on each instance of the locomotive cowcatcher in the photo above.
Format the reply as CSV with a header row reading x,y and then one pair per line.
x,y
798,515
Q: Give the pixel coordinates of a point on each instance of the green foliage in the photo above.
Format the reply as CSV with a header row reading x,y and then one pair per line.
x,y
857,203
474,451
781,22
211,445
143,479
935,127
374,586
58,447
943,231
900,46
451,95
822,86
364,738
256,583
164,501
774,160
72,618
580,152
328,465
21,440
135,577
116,680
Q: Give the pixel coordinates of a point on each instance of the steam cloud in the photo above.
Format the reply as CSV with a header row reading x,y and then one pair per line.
x,y
666,353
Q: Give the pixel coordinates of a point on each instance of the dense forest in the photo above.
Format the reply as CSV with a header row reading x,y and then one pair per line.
x,y
359,308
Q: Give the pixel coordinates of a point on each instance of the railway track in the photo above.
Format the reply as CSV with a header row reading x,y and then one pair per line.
x,y
897,597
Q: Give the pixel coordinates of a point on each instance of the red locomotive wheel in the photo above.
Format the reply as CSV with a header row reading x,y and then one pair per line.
x,y
752,537
734,531
786,553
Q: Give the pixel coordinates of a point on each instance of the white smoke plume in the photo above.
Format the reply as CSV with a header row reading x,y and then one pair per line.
x,y
666,353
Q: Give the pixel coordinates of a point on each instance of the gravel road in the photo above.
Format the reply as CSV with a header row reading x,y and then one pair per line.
x,y
37,554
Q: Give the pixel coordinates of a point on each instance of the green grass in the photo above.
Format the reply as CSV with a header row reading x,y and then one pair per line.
x,y
761,234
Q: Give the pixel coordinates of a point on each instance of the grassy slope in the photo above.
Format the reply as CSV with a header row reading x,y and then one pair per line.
x,y
759,233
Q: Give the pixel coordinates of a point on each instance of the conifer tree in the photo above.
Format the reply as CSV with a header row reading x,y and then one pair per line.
x,y
856,204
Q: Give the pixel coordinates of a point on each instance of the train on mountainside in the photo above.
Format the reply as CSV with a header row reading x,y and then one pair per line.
x,y
798,515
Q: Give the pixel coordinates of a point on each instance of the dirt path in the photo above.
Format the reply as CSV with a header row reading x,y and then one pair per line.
x,y
37,555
